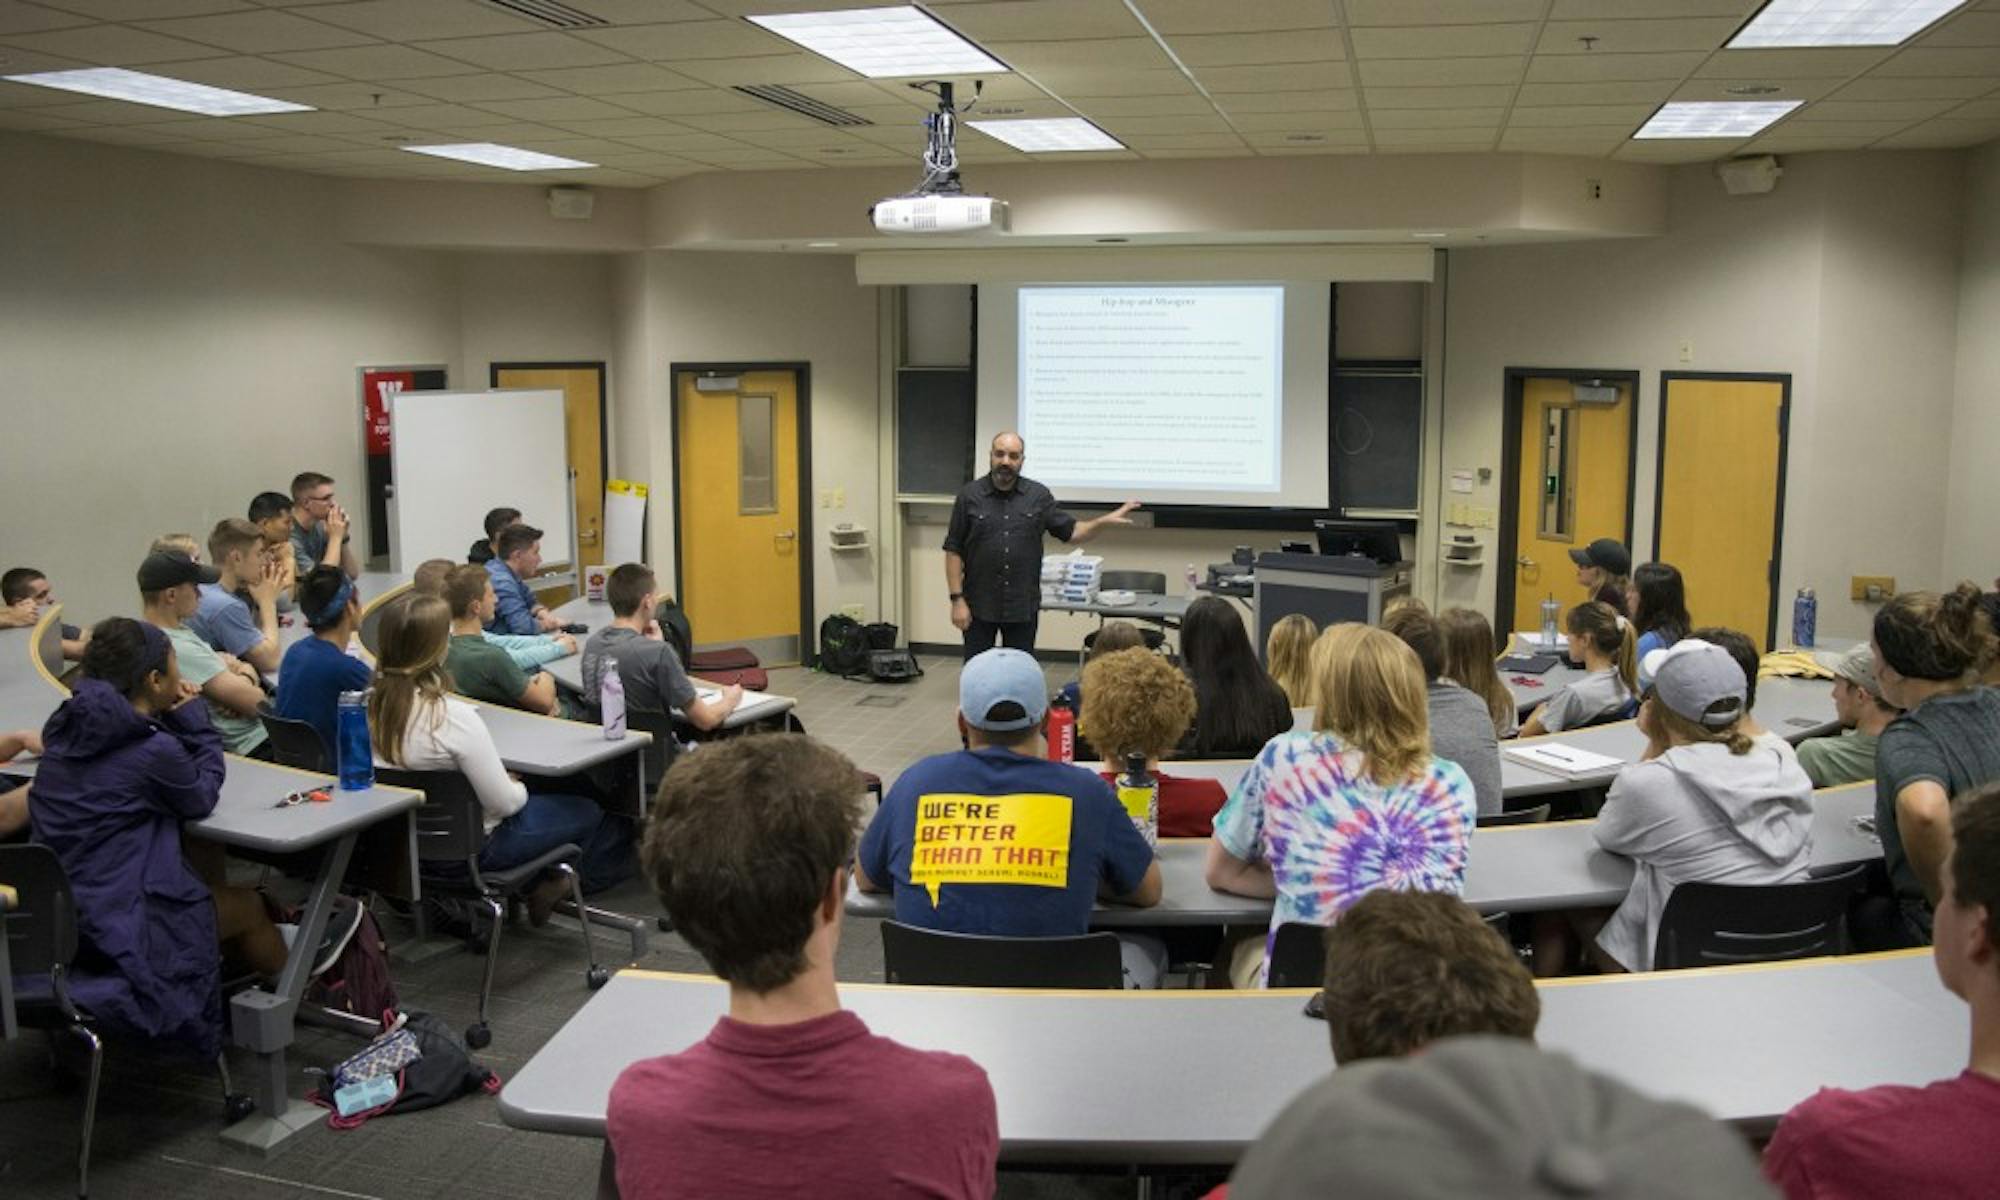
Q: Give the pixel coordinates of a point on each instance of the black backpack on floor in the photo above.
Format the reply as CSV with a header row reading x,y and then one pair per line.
x,y
843,646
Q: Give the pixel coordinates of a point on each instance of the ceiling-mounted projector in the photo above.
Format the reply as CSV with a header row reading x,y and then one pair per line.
x,y
939,203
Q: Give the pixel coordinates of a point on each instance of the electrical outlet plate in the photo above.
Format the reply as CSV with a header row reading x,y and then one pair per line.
x,y
1872,589
851,610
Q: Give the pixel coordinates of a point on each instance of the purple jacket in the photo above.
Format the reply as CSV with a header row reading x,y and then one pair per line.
x,y
109,799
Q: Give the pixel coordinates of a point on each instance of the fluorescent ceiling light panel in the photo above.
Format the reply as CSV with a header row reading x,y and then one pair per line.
x,y
1049,135
509,158
883,43
1790,23
137,87
1714,118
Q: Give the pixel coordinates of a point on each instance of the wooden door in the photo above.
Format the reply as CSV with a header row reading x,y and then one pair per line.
x,y
742,539
1573,485
582,386
1721,496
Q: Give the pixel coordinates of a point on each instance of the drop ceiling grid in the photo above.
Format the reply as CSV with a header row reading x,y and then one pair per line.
x,y
649,95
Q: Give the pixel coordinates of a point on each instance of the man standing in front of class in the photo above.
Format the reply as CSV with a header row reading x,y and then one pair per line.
x,y
993,549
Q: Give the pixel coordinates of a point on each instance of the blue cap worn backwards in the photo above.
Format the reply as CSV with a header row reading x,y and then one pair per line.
x,y
1002,677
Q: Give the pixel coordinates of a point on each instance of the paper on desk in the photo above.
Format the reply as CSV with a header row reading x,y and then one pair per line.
x,y
1564,760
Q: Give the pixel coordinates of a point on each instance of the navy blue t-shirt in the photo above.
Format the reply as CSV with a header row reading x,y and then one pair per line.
x,y
1014,846
310,679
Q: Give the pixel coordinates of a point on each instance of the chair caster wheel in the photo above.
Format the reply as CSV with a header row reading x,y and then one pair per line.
x,y
597,977
665,923
237,1107
478,1036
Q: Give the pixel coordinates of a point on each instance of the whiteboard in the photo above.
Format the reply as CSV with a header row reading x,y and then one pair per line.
x,y
455,455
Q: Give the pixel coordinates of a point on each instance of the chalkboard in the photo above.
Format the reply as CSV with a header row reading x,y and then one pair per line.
x,y
1378,439
934,430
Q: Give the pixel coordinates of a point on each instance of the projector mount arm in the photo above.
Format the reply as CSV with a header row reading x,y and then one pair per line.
x,y
941,140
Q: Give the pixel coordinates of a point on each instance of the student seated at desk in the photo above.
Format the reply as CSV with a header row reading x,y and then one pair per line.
x,y
1744,652
1110,638
1711,806
1461,728
1604,572
418,725
1323,817
319,532
1237,706
1140,704
128,758
316,670
14,799
480,669
485,550
1470,662
1849,756
1602,638
647,666
271,513
238,614
788,1094
235,694
1071,837
518,555
1928,649
26,590
529,651
1936,1141
1491,1117
1288,658
1656,604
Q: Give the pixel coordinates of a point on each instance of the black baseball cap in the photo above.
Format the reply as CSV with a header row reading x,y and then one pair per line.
x,y
168,569
1606,553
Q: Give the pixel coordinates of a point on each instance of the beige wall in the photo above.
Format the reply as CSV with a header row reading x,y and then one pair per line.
x,y
1972,535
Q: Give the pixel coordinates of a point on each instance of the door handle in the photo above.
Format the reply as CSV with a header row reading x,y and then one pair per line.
x,y
1524,562
788,535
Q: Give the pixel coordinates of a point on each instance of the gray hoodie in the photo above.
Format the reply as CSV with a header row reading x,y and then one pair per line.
x,y
1701,814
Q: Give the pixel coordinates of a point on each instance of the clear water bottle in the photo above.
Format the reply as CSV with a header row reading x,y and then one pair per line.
x,y
1193,580
1805,618
611,699
1139,794
355,754
1551,611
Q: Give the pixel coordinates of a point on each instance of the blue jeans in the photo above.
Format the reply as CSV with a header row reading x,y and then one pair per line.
x,y
549,820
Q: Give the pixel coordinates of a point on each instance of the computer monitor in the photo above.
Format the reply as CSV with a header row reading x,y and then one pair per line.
x,y
1377,540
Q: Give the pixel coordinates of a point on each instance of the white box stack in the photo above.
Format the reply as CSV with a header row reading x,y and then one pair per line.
x,y
1070,578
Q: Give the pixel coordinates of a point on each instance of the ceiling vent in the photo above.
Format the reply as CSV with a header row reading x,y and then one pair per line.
x,y
802,104
553,13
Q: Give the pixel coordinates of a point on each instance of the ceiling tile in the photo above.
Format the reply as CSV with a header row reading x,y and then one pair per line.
x,y
682,143
259,32
1866,130
17,17
1252,49
1076,83
1635,91
378,62
1635,37
1614,10
222,149
743,156
1321,99
673,104
1481,136
1600,68
1788,89
1434,118
1489,95
1592,140
487,131
1300,120
803,135
1802,143
348,96
315,122
111,45
1145,106
613,79
1791,64
34,120
1977,110
303,143
1965,29
555,108
1131,53
114,112
1173,17
619,127
245,73
1278,77
402,21
771,68
1626,116
526,51
1018,20
123,135
846,95
133,10
1943,134
1181,141
1179,123
1949,87
1441,12
1676,150
1919,61
1904,111
1240,151
763,118
27,62
1439,72
219,129
1442,41
471,89
691,39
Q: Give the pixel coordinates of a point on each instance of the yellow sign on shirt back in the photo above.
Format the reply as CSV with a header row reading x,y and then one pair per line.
x,y
1021,838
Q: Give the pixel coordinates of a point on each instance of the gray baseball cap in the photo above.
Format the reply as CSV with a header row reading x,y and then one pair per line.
x,y
1492,1117
1856,665
998,677
1698,680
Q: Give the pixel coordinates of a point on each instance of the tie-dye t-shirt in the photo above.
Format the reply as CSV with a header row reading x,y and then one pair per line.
x,y
1332,834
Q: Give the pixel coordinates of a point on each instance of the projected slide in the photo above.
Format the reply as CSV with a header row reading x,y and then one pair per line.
x,y
1126,387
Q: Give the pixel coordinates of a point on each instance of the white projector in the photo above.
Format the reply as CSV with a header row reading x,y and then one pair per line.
x,y
940,213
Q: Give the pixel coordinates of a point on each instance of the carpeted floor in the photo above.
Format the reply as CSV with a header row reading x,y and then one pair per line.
x,y
158,1120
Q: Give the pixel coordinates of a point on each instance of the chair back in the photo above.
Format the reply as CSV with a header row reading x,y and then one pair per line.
x,y
48,642
451,827
932,957
41,925
1720,924
1154,582
1519,816
1298,956
297,744
370,631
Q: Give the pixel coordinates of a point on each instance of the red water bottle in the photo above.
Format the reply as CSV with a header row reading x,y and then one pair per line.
x,y
1062,731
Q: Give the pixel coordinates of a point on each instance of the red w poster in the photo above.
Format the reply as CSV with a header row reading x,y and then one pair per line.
x,y
379,386
377,389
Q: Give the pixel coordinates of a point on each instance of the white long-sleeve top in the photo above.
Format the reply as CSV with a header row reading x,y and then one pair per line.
x,y
459,741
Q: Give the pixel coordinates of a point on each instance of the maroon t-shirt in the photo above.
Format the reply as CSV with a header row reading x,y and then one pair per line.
x,y
819,1107
1187,806
1936,1142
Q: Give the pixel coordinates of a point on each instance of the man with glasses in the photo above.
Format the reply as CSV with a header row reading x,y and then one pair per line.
x,y
25,594
319,527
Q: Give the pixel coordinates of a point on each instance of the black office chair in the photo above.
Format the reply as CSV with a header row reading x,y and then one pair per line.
x,y
41,934
660,755
1154,582
930,957
1298,953
1721,924
1519,816
451,829
297,744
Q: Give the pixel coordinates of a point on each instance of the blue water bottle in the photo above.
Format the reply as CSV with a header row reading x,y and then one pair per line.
x,y
355,754
1805,618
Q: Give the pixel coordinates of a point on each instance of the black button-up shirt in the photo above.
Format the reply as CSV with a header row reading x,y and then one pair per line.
x,y
999,535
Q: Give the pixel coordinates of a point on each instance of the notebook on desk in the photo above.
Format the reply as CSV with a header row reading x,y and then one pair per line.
x,y
1567,761
1530,664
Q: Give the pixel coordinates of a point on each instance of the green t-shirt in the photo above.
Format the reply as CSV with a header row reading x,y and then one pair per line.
x,y
1847,758
199,663
484,671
